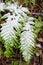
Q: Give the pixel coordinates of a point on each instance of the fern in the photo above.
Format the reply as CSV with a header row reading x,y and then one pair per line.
x,y
18,32
27,39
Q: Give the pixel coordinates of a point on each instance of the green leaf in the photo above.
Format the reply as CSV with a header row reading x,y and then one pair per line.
x,y
26,2
8,53
38,22
7,1
32,1
15,63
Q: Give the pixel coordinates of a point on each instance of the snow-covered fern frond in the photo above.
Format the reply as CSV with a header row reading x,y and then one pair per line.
x,y
8,33
28,43
18,24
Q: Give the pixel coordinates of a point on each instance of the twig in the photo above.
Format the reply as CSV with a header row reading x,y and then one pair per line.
x,y
37,14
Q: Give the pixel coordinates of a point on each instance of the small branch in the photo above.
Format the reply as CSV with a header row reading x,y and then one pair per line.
x,y
37,14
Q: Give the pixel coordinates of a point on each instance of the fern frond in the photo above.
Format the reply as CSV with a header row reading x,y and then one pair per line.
x,y
8,30
28,43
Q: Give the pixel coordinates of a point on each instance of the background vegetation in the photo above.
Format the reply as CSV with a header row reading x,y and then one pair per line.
x,y
36,9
